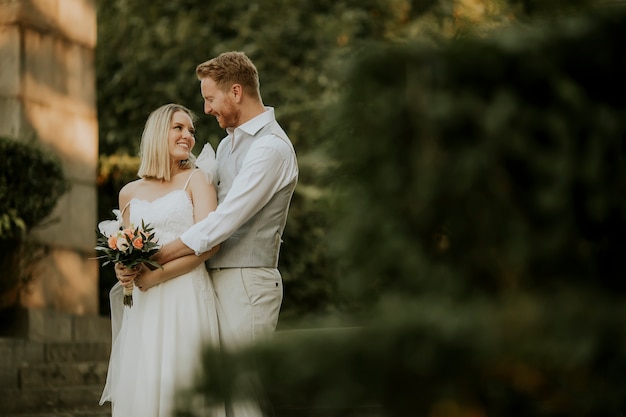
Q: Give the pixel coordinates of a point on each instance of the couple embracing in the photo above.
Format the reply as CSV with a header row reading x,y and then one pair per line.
x,y
234,298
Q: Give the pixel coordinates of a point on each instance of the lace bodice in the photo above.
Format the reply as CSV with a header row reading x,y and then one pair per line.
x,y
170,215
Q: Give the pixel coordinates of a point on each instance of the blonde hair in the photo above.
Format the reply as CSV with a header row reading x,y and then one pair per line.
x,y
154,149
231,68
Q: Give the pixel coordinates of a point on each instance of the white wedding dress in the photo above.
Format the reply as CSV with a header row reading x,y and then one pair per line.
x,y
157,342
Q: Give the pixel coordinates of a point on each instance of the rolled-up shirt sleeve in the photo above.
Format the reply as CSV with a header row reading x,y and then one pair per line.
x,y
268,166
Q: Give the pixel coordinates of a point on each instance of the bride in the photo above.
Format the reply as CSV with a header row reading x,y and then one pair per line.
x,y
157,343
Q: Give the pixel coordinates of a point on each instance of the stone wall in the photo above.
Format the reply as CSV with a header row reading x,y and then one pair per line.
x,y
48,94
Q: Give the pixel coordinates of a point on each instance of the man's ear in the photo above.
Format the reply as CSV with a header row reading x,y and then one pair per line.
x,y
237,91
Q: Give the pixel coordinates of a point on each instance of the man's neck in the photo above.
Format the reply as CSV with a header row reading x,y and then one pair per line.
x,y
251,111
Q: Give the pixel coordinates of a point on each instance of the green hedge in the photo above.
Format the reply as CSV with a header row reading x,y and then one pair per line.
x,y
482,224
509,152
31,183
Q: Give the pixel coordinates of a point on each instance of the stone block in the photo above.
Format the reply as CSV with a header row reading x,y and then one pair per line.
x,y
65,281
77,20
56,70
77,352
63,375
8,377
6,352
28,352
25,401
49,325
72,136
11,117
17,351
74,20
40,377
10,11
76,210
9,398
10,62
90,328
83,396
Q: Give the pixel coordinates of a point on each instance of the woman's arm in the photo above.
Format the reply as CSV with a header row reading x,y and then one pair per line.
x,y
124,275
147,278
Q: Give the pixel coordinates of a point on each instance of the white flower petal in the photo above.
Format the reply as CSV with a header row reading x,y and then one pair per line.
x,y
109,227
207,163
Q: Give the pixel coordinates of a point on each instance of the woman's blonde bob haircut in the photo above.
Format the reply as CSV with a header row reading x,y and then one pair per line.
x,y
154,150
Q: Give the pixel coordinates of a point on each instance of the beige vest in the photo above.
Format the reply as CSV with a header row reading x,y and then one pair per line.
x,y
257,242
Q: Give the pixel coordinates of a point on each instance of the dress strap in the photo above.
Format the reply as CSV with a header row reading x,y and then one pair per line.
x,y
189,179
124,209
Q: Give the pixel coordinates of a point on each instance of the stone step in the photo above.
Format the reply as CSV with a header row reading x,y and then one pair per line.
x,y
25,363
53,326
15,351
76,352
62,375
79,413
53,401
53,364
66,413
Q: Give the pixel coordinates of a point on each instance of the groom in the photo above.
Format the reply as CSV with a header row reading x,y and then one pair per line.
x,y
257,172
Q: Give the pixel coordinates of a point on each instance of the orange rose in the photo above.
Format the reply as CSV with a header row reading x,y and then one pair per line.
x,y
138,243
112,242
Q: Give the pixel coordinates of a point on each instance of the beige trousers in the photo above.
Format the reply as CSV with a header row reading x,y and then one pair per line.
x,y
249,303
250,300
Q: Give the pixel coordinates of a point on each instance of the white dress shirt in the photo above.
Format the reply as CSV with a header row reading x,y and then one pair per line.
x,y
268,166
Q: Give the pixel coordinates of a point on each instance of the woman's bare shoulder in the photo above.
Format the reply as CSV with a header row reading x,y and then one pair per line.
x,y
131,188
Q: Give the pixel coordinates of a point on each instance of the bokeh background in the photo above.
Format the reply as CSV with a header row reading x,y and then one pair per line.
x,y
146,56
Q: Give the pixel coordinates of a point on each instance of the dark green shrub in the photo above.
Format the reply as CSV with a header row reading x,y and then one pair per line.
x,y
31,182
482,223
511,148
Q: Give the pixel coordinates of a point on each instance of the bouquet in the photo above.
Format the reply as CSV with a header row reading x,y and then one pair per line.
x,y
131,246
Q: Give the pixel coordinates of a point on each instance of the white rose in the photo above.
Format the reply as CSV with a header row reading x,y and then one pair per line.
x,y
122,243
109,227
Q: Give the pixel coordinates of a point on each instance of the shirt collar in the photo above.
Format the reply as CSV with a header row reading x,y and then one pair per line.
x,y
252,126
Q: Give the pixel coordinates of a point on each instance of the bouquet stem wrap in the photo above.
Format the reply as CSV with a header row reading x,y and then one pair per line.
x,y
128,296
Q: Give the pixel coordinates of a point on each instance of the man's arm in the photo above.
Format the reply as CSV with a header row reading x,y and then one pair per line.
x,y
265,170
204,198
173,250
148,278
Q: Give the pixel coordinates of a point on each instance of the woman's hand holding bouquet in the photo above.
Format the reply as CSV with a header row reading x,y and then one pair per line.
x,y
131,247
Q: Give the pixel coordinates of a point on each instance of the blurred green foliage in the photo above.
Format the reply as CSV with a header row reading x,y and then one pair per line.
x,y
146,56
516,141
147,53
480,226
31,183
